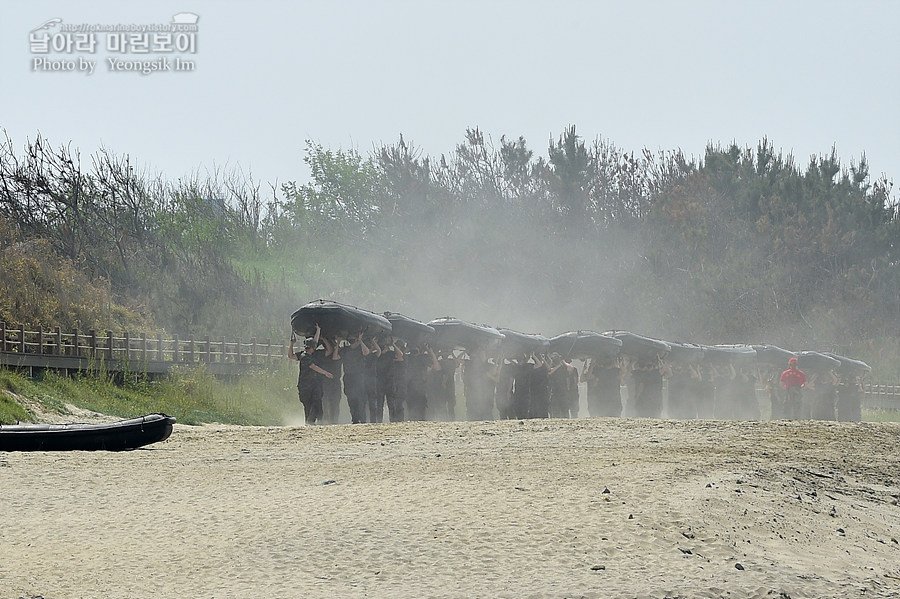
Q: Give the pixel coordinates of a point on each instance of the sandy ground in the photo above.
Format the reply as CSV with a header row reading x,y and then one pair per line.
x,y
550,508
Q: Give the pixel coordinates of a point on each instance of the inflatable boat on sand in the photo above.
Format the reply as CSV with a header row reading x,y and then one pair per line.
x,y
108,436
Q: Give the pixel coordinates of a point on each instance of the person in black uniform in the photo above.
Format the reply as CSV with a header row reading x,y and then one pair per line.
x,y
563,388
309,382
683,391
824,395
748,408
727,394
331,387
352,357
573,401
559,400
418,364
521,390
370,370
774,391
648,378
442,387
384,379
478,386
437,409
849,398
706,397
502,375
604,387
396,390
540,387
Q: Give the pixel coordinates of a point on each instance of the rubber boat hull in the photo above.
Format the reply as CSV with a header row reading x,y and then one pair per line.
x,y
451,332
813,360
338,320
107,436
685,353
409,329
638,346
516,344
773,355
849,366
738,355
585,344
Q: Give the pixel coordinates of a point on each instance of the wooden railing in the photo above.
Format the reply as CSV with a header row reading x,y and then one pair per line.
x,y
882,396
877,389
86,350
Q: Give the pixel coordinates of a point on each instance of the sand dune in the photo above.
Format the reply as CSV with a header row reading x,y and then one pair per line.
x,y
550,508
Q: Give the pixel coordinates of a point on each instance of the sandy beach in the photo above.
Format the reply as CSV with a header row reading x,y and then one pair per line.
x,y
539,508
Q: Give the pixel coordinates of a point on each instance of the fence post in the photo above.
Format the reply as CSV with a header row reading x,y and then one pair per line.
x,y
238,358
144,349
92,341
208,357
268,351
3,336
22,338
191,349
160,355
40,340
109,345
76,342
127,336
253,350
59,341
224,357
175,350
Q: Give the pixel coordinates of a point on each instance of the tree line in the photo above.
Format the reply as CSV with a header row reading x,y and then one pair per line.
x,y
739,245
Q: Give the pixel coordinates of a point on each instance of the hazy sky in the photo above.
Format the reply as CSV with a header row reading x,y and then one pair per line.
x,y
269,75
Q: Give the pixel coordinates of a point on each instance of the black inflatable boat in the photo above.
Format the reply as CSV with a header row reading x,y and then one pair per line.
x,y
737,355
108,436
772,355
638,346
516,344
685,353
451,332
849,366
338,320
816,362
585,344
409,329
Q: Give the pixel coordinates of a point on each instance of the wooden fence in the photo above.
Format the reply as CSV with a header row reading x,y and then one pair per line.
x,y
883,397
89,350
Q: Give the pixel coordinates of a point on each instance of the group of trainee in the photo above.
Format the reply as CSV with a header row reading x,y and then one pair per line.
x,y
418,382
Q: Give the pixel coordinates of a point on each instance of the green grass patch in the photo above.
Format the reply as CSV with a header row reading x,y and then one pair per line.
x,y
12,384
881,415
192,395
10,410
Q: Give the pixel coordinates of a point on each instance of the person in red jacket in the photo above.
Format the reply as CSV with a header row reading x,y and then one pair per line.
x,y
793,380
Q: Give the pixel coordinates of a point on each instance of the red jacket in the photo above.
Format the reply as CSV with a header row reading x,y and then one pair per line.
x,y
793,377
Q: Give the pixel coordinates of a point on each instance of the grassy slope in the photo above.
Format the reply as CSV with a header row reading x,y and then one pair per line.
x,y
192,396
